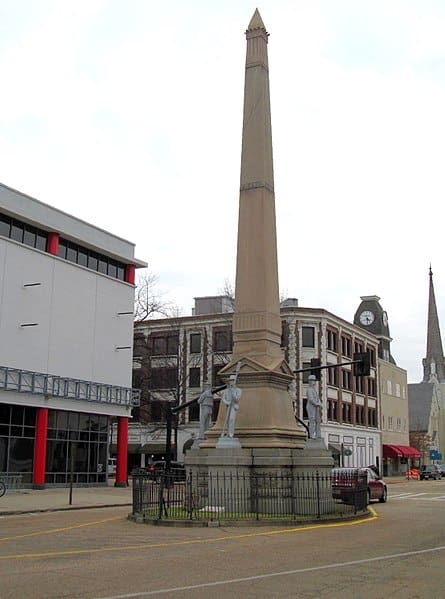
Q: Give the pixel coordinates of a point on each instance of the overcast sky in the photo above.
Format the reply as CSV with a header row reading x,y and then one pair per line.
x,y
128,113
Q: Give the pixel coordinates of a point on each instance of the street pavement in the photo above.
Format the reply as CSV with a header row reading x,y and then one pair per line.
x,y
24,501
55,498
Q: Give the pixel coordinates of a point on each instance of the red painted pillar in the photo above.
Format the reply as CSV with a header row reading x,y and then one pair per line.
x,y
53,243
122,452
130,273
38,476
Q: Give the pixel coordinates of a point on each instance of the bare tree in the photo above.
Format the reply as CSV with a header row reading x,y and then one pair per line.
x,y
149,301
228,289
422,441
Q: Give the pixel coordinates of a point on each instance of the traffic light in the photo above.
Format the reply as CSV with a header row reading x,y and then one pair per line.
x,y
363,364
315,365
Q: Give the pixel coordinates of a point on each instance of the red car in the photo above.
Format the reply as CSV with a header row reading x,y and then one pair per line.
x,y
350,484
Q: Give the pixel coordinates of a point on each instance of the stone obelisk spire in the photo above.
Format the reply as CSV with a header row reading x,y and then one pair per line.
x,y
434,363
265,417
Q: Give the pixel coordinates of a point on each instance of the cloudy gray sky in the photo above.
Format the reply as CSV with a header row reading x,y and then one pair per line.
x,y
128,114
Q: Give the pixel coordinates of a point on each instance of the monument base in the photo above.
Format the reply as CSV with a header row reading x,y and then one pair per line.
x,y
228,443
287,481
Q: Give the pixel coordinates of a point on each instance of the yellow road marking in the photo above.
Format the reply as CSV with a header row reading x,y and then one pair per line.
x,y
54,530
182,543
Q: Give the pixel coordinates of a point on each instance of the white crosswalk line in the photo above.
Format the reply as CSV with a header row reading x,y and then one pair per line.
x,y
407,495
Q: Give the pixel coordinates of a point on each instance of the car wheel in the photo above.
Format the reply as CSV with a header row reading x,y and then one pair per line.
x,y
384,497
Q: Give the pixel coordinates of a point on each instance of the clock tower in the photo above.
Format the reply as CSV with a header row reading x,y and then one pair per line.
x,y
372,317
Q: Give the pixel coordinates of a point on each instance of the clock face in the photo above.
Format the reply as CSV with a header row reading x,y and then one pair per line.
x,y
366,317
385,319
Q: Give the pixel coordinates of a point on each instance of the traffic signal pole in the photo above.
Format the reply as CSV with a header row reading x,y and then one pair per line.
x,y
170,414
362,362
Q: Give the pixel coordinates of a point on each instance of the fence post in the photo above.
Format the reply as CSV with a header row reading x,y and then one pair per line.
x,y
161,496
317,478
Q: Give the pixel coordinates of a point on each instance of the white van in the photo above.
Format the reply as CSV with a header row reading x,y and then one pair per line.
x,y
111,468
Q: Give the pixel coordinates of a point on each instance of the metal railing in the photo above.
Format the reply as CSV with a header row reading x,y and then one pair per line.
x,y
13,482
26,381
248,496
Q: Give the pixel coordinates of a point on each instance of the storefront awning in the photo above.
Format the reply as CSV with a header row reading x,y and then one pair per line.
x,y
400,451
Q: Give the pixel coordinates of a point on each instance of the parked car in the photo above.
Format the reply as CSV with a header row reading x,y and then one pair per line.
x,y
428,471
349,483
442,469
156,469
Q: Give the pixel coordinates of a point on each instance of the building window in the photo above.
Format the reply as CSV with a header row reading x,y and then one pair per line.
x,y
358,384
5,225
332,340
389,387
23,233
165,345
359,415
371,351
371,387
139,346
308,336
358,347
346,412
194,377
164,378
399,424
372,417
195,343
217,380
332,376
71,253
307,373
79,255
346,379
16,230
222,340
390,423
397,390
194,412
159,346
332,409
346,345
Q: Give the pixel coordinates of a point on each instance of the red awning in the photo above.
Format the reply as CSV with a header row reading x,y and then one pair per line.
x,y
400,451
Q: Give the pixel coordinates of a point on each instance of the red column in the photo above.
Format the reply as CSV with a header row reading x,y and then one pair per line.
x,y
130,273
53,243
38,476
122,452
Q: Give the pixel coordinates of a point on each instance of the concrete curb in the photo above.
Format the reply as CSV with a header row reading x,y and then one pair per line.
x,y
61,509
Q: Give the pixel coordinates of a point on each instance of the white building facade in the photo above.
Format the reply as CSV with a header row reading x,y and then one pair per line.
x,y
200,345
66,328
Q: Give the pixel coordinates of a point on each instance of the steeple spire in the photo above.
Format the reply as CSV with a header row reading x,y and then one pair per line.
x,y
434,363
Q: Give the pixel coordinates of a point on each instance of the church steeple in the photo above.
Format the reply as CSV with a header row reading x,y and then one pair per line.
x,y
434,363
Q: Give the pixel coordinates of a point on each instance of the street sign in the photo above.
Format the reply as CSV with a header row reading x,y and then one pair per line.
x,y
435,454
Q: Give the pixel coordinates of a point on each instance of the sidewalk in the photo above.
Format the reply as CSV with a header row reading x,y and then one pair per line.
x,y
28,500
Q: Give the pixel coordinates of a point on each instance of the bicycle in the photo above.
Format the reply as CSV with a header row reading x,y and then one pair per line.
x,y
2,488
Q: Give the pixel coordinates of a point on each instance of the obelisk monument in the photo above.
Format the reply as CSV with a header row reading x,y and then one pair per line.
x,y
265,418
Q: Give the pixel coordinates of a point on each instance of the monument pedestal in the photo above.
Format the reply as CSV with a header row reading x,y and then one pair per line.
x,y
262,480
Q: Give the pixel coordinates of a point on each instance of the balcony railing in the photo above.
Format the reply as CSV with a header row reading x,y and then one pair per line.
x,y
26,381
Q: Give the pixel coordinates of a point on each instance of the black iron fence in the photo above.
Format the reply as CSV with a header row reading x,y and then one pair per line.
x,y
249,495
